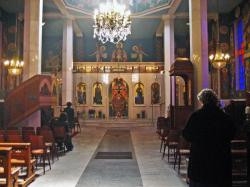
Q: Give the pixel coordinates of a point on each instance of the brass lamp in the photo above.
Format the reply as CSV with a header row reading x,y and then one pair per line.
x,y
219,59
112,22
14,66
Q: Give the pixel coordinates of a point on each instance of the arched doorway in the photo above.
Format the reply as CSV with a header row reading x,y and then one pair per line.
x,y
118,98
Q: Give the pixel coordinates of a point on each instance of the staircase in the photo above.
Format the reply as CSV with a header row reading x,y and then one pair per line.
x,y
28,98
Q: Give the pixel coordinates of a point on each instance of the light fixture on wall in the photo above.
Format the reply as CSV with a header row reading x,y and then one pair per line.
x,y
219,59
112,22
14,66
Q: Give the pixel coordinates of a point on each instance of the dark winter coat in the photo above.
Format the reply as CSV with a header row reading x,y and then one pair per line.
x,y
210,130
70,114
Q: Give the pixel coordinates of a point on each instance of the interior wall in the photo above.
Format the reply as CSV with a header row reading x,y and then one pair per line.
x,y
146,79
147,45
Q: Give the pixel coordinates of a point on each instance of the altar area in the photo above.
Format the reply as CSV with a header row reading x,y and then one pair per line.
x,y
118,123
118,91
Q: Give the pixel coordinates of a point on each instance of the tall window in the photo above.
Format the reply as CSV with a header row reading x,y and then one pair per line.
x,y
240,56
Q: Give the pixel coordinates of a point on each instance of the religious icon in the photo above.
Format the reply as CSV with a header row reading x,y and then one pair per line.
x,y
52,61
155,91
44,91
119,54
81,93
138,53
118,106
139,94
100,53
97,88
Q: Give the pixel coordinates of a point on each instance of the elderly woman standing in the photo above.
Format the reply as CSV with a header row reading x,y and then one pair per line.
x,y
209,130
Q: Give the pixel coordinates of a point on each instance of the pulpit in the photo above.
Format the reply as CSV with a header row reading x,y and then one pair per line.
x,y
29,97
182,92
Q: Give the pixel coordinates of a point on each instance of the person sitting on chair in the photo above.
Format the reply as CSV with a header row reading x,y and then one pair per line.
x,y
62,121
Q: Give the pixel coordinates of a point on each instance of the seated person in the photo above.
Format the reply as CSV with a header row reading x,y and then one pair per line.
x,y
62,121
70,114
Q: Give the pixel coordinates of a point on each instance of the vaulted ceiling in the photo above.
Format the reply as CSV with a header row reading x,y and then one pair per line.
x,y
146,14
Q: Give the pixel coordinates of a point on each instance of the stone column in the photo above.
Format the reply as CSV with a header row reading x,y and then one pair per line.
x,y
33,11
169,56
32,48
67,62
199,43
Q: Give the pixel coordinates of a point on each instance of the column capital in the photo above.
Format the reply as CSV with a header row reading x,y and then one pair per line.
x,y
65,20
168,17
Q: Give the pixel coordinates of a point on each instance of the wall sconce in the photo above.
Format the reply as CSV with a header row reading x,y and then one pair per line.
x,y
14,67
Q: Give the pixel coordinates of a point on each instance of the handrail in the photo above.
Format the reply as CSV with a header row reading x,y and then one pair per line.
x,y
28,98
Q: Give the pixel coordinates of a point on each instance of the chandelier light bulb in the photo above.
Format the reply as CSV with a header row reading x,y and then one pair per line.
x,y
112,22
227,56
6,62
211,57
14,66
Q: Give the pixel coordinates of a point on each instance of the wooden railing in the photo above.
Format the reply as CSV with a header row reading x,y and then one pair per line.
x,y
28,98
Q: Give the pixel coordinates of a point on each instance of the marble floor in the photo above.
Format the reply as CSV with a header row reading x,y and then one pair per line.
x,y
145,169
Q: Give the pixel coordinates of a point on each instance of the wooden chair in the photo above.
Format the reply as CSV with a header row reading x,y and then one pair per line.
x,y
38,149
12,128
239,160
12,132
183,149
26,134
171,142
2,138
159,125
13,138
60,136
28,129
49,142
21,157
2,132
77,126
38,129
163,136
8,175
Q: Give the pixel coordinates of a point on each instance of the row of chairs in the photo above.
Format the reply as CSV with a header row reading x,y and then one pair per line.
x,y
43,142
172,140
176,146
179,148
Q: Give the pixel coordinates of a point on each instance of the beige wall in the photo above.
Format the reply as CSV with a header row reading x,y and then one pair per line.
x,y
146,78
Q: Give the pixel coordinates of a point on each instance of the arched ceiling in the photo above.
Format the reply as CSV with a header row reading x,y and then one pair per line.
x,y
135,6
146,14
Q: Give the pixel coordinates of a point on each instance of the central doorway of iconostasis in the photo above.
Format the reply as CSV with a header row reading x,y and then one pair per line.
x,y
118,99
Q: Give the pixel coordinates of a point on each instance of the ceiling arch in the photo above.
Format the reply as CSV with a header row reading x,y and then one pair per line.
x,y
137,7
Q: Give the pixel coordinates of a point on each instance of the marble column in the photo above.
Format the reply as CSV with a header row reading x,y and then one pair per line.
x,y
169,56
67,62
199,43
33,11
32,49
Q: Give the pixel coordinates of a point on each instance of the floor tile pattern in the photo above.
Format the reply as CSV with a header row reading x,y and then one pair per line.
x,y
112,172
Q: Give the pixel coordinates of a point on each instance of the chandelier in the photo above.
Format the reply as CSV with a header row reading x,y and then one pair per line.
x,y
14,66
112,22
219,59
